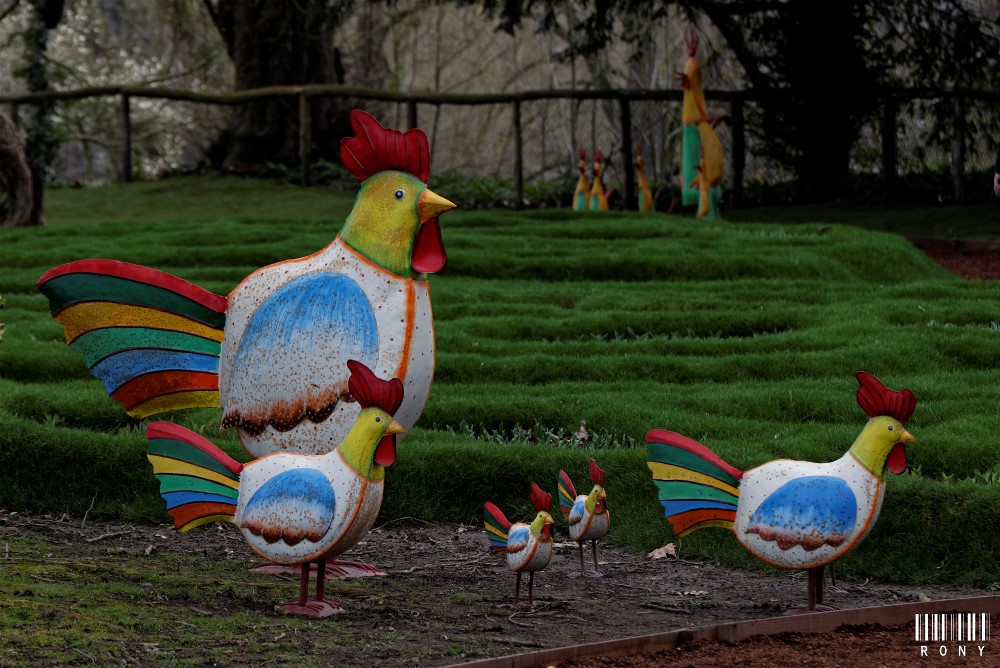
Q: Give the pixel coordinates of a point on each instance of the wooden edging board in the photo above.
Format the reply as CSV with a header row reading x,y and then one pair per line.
x,y
818,622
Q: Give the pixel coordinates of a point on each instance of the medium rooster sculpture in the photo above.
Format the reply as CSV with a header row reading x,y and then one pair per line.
x,y
587,514
598,198
702,160
792,514
292,509
528,546
581,196
273,354
645,194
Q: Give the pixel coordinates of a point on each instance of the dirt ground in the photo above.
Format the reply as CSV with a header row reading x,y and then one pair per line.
x,y
442,596
966,258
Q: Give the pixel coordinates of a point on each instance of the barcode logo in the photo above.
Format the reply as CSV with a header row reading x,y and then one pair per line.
x,y
953,626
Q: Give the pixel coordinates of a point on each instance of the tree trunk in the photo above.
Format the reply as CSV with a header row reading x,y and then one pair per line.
x,y
280,42
813,123
20,189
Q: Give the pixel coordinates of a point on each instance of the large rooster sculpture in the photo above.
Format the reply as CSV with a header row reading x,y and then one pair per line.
x,y
792,514
273,353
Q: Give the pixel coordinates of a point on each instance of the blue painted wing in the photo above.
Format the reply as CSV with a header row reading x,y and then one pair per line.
x,y
577,511
290,363
517,539
292,506
809,511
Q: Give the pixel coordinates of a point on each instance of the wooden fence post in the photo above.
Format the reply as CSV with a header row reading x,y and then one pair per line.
x,y
126,174
305,139
738,149
629,203
518,158
890,109
411,114
958,149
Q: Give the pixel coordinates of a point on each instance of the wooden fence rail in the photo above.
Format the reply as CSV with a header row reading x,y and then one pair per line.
x,y
890,98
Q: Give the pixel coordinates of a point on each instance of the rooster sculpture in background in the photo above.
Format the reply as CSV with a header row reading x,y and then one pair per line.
x,y
528,546
645,194
702,160
586,514
792,514
292,509
273,353
581,197
598,198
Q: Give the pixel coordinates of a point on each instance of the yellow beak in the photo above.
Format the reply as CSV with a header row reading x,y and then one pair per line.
x,y
430,204
905,437
394,428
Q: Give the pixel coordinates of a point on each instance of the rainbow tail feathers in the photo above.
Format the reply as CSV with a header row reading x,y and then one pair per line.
x,y
153,339
198,481
567,493
696,487
497,527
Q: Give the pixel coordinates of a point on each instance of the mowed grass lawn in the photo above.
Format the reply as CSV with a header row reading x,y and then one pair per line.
x,y
743,335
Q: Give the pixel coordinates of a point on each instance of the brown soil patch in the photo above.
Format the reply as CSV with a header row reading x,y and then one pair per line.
x,y
440,603
963,257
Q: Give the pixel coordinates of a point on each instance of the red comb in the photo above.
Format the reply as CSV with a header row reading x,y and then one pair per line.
x,y
597,156
539,499
374,148
692,43
876,399
638,149
596,474
582,153
370,390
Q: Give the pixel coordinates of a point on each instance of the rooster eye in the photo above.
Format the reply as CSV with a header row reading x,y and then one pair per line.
x,y
400,194
890,427
378,419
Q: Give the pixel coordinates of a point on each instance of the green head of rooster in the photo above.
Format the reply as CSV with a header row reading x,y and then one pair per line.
x,y
394,222
370,446
541,526
595,503
880,447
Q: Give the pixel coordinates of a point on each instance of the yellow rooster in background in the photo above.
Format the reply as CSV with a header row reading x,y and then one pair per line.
x,y
702,159
598,199
581,197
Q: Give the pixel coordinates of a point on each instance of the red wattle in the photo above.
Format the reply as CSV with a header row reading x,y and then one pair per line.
x,y
385,453
429,256
897,459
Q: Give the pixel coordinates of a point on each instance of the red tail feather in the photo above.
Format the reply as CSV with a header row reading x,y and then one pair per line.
x,y
876,399
370,390
596,474
539,499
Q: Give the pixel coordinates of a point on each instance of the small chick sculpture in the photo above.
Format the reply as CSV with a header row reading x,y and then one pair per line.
x,y
587,514
645,194
581,197
598,199
528,546
292,509
793,514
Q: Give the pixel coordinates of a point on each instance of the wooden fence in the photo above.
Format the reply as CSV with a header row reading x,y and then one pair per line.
x,y
890,99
